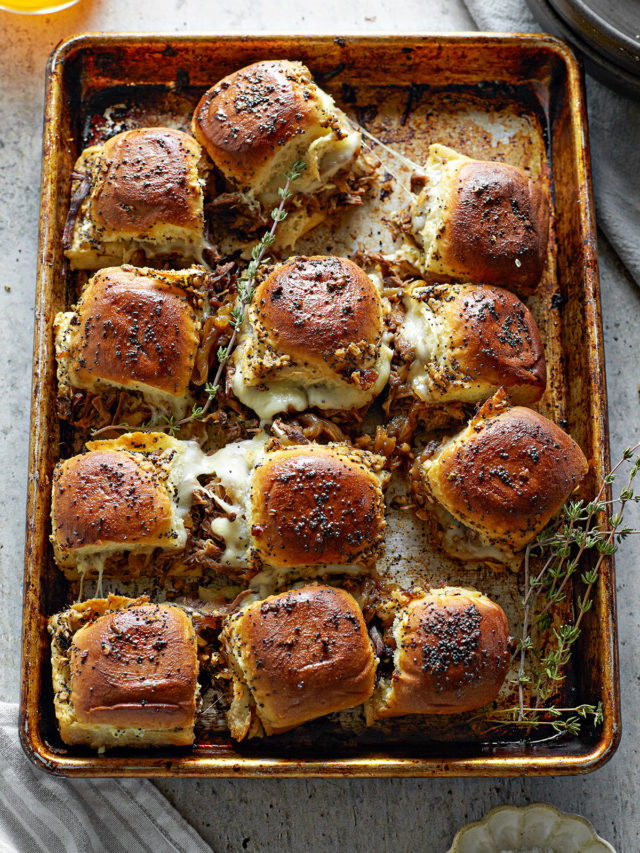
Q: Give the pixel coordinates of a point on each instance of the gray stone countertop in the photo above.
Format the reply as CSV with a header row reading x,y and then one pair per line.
x,y
296,815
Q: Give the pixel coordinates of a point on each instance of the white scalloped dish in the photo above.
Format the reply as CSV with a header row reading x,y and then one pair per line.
x,y
538,828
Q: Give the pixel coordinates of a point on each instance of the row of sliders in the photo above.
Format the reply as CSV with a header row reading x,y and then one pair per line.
x,y
147,189
125,671
147,503
154,192
319,333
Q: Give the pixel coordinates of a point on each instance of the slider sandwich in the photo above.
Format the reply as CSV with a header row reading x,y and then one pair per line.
x,y
497,483
124,673
443,651
258,121
136,330
295,657
140,191
478,221
296,509
463,342
314,337
125,500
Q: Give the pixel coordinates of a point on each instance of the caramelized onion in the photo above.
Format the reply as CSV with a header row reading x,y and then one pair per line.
x,y
314,426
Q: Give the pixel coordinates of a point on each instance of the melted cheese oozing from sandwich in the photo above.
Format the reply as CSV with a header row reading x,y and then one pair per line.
x,y
467,544
282,395
87,565
425,217
426,210
423,330
183,463
233,466
327,155
297,393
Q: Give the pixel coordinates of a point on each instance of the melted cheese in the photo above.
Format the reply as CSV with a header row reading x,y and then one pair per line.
x,y
425,213
283,395
189,464
328,147
182,463
467,544
87,565
289,391
424,331
233,466
428,208
327,156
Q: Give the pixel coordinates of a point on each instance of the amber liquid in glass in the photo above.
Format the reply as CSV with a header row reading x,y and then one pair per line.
x,y
35,7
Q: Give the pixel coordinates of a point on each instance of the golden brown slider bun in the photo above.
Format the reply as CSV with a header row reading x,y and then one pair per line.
x,y
470,340
297,506
297,656
120,496
313,337
312,504
499,481
145,193
124,673
256,122
137,329
451,655
480,221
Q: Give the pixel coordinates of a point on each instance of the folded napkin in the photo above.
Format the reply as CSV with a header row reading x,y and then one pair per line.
x,y
41,813
614,125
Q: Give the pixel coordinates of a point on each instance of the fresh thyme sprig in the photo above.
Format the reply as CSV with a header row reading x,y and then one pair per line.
x,y
582,527
246,287
246,284
560,720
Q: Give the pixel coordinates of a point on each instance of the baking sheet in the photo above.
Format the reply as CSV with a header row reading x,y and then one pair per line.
x,y
523,119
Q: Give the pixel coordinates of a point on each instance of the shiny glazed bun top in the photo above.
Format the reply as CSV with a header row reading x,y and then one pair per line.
x,y
452,654
135,667
507,474
256,122
148,176
301,654
469,340
313,504
481,221
122,495
499,225
107,496
322,309
134,328
313,337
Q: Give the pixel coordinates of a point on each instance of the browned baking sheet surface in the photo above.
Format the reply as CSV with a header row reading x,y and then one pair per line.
x,y
517,99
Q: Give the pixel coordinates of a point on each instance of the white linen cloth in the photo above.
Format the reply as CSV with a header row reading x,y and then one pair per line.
x,y
39,812
614,127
